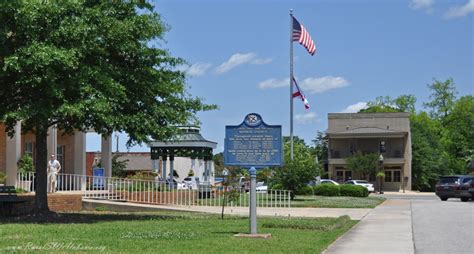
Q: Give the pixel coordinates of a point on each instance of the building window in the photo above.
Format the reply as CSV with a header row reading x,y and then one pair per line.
x,y
60,154
339,175
396,176
388,176
343,175
348,175
30,149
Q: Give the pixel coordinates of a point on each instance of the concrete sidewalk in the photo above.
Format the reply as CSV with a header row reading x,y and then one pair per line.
x,y
385,229
354,213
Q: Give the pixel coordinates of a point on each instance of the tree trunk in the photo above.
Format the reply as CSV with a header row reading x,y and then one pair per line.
x,y
41,198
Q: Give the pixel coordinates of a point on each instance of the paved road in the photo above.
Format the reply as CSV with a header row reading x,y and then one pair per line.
x,y
412,224
443,227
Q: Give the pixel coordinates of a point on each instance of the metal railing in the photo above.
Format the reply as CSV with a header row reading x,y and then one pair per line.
x,y
154,192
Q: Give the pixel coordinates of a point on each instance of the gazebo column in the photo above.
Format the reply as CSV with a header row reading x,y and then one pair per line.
x,y
163,161
171,168
207,156
13,154
206,169
106,154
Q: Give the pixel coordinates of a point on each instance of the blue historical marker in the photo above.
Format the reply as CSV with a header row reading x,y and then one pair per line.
x,y
253,143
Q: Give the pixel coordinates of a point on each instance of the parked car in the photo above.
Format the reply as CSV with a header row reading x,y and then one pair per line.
x,y
261,187
456,186
190,182
329,181
369,186
322,181
467,190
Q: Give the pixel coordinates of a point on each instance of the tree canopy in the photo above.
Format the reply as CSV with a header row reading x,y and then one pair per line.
x,y
89,64
296,173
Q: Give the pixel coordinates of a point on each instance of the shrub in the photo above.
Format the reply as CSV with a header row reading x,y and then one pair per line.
x,y
327,190
354,191
25,164
305,190
277,186
2,177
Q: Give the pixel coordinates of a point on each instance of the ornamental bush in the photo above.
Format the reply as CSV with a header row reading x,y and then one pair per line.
x,y
327,190
354,191
277,186
305,190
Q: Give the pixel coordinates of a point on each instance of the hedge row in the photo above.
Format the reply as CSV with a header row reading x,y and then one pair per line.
x,y
340,190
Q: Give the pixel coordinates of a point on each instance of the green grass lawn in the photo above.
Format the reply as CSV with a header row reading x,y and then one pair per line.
x,y
336,202
165,232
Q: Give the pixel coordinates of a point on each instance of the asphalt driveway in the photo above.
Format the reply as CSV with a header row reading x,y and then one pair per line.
x,y
443,227
412,224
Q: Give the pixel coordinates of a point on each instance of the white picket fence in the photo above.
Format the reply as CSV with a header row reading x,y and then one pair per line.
x,y
154,192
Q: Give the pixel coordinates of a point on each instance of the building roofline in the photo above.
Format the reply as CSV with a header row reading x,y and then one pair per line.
x,y
368,115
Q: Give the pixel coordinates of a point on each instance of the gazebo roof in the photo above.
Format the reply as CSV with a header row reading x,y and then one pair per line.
x,y
189,138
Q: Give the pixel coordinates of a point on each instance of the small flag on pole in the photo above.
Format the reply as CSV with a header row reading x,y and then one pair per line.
x,y
299,93
302,36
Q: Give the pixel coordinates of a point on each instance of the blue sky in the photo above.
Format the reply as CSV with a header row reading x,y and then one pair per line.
x,y
238,55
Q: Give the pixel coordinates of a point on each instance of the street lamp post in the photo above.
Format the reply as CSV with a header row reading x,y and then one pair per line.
x,y
225,173
381,174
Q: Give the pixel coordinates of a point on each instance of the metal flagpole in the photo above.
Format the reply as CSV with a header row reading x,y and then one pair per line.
x,y
291,84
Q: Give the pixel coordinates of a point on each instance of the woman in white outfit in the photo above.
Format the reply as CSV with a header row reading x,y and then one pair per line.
x,y
53,169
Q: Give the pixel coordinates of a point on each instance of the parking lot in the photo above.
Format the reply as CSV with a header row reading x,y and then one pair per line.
x,y
442,227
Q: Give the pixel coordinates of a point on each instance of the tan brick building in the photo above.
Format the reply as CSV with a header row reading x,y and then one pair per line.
x,y
349,133
70,150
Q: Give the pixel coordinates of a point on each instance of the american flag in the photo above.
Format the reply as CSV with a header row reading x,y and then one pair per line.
x,y
302,36
299,93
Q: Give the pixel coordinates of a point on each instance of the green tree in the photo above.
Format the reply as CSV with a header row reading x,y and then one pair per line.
x,y
321,149
427,152
384,104
363,163
380,104
443,95
458,133
405,103
119,166
89,64
297,173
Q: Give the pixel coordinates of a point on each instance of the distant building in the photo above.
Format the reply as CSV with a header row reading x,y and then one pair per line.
x,y
349,133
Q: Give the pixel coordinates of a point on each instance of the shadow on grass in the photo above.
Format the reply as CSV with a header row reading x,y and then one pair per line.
x,y
86,218
225,233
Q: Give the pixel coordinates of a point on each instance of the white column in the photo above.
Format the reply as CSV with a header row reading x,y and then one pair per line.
x,y
80,157
106,155
52,142
13,154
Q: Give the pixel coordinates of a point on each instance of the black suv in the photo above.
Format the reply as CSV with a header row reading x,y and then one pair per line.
x,y
454,187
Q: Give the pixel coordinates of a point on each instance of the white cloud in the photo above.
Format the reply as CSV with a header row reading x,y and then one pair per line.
x,y
239,59
460,11
319,85
197,69
310,85
274,83
306,118
421,4
261,61
354,108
